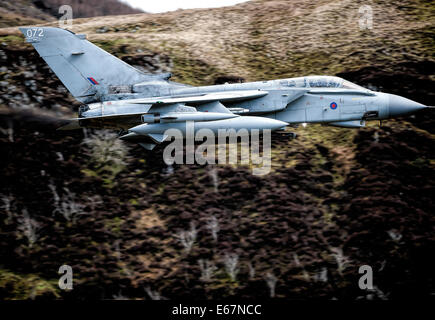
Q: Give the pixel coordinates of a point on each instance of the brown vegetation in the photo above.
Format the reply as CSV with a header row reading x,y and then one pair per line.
x,y
89,8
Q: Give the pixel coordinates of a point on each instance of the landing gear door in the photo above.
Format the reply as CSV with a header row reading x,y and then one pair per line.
x,y
372,110
352,110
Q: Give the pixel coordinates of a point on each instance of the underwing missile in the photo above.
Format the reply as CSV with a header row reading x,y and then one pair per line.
x,y
249,123
186,116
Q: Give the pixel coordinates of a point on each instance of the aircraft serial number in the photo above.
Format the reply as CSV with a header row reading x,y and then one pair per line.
x,y
34,32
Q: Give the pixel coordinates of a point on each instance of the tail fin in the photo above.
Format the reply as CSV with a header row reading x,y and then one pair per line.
x,y
83,68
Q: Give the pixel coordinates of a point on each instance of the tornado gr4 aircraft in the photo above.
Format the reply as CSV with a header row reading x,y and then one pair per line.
x,y
142,106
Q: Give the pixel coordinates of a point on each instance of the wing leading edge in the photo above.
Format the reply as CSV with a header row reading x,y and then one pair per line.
x,y
223,96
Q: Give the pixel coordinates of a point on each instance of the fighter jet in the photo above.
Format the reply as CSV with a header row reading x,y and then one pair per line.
x,y
142,106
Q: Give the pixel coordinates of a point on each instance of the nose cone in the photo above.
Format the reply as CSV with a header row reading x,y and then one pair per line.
x,y
401,106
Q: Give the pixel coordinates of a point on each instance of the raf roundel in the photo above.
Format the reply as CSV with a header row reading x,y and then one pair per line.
x,y
333,105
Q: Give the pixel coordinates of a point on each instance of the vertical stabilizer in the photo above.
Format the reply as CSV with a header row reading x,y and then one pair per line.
x,y
85,69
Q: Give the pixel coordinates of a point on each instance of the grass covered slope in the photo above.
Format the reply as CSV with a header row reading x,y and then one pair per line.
x,y
270,39
21,12
336,198
275,39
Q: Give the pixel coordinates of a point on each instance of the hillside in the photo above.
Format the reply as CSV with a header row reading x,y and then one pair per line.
x,y
24,12
336,198
21,12
89,8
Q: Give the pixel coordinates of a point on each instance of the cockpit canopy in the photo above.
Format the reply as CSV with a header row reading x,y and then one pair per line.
x,y
320,82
